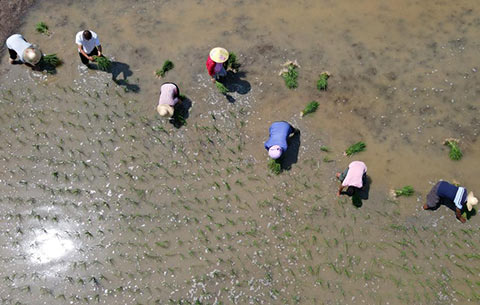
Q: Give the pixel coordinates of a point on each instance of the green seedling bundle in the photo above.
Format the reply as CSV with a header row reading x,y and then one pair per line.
x,y
455,152
404,191
51,60
103,63
42,28
355,148
290,77
221,87
167,66
232,63
310,108
275,166
322,82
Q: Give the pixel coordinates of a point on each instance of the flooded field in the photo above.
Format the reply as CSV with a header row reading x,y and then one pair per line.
x,y
102,201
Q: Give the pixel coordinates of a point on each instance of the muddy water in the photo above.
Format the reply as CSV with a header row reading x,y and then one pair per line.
x,y
104,202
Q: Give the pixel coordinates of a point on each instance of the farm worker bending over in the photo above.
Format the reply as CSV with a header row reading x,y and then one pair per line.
x,y
169,96
19,48
88,45
444,191
277,141
352,177
215,61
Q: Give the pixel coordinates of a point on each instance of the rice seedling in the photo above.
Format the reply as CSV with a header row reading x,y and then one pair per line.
x,y
322,82
232,63
355,148
51,60
221,87
167,66
290,76
42,28
103,62
455,152
404,191
274,166
310,108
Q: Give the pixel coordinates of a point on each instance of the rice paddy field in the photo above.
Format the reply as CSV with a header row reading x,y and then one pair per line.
x,y
104,202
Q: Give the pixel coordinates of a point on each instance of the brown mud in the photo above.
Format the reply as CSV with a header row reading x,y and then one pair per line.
x,y
102,201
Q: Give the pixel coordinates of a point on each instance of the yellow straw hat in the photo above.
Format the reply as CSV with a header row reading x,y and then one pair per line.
x,y
219,55
32,55
165,110
471,201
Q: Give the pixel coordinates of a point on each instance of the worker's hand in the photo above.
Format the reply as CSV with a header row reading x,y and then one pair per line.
x,y
462,219
90,58
99,54
338,194
213,80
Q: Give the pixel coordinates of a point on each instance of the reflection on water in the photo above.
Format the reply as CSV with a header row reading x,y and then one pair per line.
x,y
48,246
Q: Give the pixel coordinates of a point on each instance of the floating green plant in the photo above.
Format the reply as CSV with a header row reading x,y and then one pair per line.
x,y
51,60
42,28
455,152
232,63
404,191
103,63
310,108
221,88
355,148
324,148
167,66
290,76
274,166
322,82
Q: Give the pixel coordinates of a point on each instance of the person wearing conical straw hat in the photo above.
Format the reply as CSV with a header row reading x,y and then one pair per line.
x,y
22,51
444,192
169,97
276,144
217,57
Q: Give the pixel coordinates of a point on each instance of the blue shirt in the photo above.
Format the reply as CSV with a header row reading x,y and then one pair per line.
x,y
454,193
279,132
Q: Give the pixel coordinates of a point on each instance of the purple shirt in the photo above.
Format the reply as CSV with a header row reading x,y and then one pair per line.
x,y
168,94
356,169
279,132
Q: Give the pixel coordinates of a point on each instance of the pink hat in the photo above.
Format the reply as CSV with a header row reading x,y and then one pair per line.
x,y
275,152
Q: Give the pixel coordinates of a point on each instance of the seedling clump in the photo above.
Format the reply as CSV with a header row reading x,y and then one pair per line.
x,y
51,60
274,166
455,152
310,108
42,28
290,74
232,63
404,191
167,66
355,148
221,88
103,63
322,82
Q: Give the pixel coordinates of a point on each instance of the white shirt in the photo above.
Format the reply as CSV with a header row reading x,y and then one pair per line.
x,y
17,43
87,45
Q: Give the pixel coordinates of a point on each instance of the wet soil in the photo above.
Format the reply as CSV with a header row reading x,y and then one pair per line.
x,y
102,201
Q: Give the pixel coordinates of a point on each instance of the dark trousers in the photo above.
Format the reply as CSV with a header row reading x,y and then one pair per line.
x,y
12,53
84,59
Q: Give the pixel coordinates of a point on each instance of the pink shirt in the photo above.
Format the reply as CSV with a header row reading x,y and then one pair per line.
x,y
167,95
356,169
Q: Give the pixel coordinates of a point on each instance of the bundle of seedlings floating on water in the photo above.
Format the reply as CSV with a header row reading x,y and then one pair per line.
x,y
310,108
51,60
290,74
103,63
221,87
167,66
232,63
404,191
455,152
275,166
322,82
355,148
42,28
